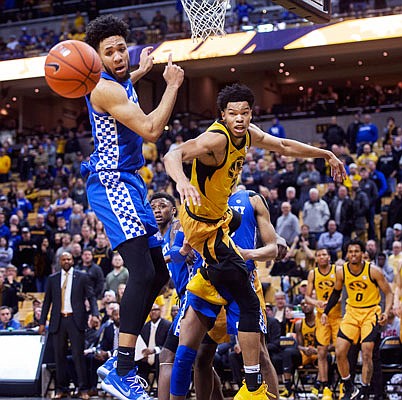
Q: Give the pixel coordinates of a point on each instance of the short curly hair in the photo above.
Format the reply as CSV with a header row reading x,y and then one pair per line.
x,y
103,27
233,94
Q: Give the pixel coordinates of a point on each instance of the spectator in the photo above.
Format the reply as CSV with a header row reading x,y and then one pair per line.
x,y
8,292
193,130
397,148
79,193
64,248
395,258
392,234
4,230
137,20
302,292
4,207
6,252
28,279
86,241
43,264
388,165
287,225
272,339
367,133
341,208
76,253
366,156
40,230
273,203
251,177
160,181
370,188
331,240
353,176
315,213
60,173
25,250
15,237
120,291
390,131
159,22
43,180
154,334
279,309
351,133
392,327
118,275
23,204
242,9
293,200
382,262
46,207
361,207
76,165
7,322
302,249
41,158
334,134
307,180
34,324
287,178
379,179
63,206
71,148
76,219
270,178
96,278
102,254
330,194
5,166
277,129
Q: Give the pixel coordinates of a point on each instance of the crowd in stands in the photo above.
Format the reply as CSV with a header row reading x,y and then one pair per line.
x,y
44,212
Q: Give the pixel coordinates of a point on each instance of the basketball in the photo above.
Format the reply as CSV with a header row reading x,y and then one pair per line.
x,y
72,68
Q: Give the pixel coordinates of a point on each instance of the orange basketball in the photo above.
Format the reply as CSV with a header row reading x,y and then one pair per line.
x,y
72,68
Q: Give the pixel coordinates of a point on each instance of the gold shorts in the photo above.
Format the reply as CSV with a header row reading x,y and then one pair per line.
x,y
308,360
326,334
360,324
219,332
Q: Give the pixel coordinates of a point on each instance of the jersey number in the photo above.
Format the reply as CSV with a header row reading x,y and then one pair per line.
x,y
359,296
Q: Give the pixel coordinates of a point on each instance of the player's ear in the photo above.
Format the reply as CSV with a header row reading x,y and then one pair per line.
x,y
223,115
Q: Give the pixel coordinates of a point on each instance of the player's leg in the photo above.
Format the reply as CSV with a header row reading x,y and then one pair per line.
x,y
166,360
268,371
323,339
193,328
367,366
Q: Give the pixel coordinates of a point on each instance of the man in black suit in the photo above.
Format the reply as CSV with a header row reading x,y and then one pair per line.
x,y
154,334
66,292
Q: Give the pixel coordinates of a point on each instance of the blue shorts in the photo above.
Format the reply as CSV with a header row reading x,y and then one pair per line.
x,y
211,311
119,200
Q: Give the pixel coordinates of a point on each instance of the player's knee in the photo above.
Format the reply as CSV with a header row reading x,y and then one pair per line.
x,y
166,356
322,352
181,374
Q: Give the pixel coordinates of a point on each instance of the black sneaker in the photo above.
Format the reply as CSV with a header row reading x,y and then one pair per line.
x,y
352,393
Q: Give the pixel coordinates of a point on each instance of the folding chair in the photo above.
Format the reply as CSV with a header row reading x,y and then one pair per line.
x,y
391,357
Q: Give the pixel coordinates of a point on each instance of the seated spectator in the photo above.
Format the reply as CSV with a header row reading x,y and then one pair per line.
x,y
305,353
120,291
60,173
273,203
43,180
379,179
87,242
331,240
4,230
315,213
280,306
118,275
382,262
41,158
30,316
396,257
34,325
4,207
159,22
7,322
392,234
366,156
392,327
79,193
72,145
6,252
302,292
287,224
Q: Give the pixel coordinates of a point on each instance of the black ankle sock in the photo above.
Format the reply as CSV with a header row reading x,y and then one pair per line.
x,y
288,384
347,383
253,381
324,385
125,360
365,389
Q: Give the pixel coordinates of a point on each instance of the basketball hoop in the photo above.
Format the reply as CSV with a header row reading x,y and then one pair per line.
x,y
207,17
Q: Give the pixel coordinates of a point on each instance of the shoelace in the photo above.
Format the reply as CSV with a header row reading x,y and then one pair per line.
x,y
137,380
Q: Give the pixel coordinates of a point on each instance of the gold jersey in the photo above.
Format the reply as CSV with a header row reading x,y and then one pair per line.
x,y
215,183
308,333
324,285
362,291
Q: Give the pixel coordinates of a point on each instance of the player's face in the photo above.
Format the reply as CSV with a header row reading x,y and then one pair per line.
x,y
163,210
322,258
237,117
354,254
115,58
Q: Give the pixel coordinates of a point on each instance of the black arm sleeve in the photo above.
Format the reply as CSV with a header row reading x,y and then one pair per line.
x,y
333,300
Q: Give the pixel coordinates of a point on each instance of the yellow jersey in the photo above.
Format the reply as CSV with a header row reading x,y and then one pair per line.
x,y
324,285
308,333
362,291
215,183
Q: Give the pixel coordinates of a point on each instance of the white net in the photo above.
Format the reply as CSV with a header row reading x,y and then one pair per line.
x,y
207,17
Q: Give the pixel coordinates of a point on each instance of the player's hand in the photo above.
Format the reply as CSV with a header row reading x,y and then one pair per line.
x,y
173,74
383,319
237,349
147,352
338,172
320,304
324,319
188,193
146,59
41,329
282,248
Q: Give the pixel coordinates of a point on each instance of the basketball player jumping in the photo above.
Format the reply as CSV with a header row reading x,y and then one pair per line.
x,y
363,316
116,191
218,156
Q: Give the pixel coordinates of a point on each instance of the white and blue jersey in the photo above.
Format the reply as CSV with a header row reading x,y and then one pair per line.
x,y
246,235
116,192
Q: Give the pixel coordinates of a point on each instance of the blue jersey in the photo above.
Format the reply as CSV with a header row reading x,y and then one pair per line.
x,y
246,235
116,147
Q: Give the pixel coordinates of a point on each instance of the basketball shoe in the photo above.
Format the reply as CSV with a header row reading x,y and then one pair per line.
x,y
260,394
351,393
104,369
128,387
327,394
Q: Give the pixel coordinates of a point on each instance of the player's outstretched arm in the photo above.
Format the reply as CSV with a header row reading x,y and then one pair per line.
x,y
111,97
294,148
145,65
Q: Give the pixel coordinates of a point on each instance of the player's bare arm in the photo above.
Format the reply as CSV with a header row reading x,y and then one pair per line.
x,y
293,148
397,280
111,97
268,235
309,292
377,275
209,148
145,65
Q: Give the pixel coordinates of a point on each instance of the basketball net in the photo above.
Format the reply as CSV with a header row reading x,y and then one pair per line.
x,y
207,17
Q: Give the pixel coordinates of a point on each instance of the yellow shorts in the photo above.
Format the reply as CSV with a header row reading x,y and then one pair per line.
x,y
326,334
211,240
308,360
360,324
260,294
219,332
